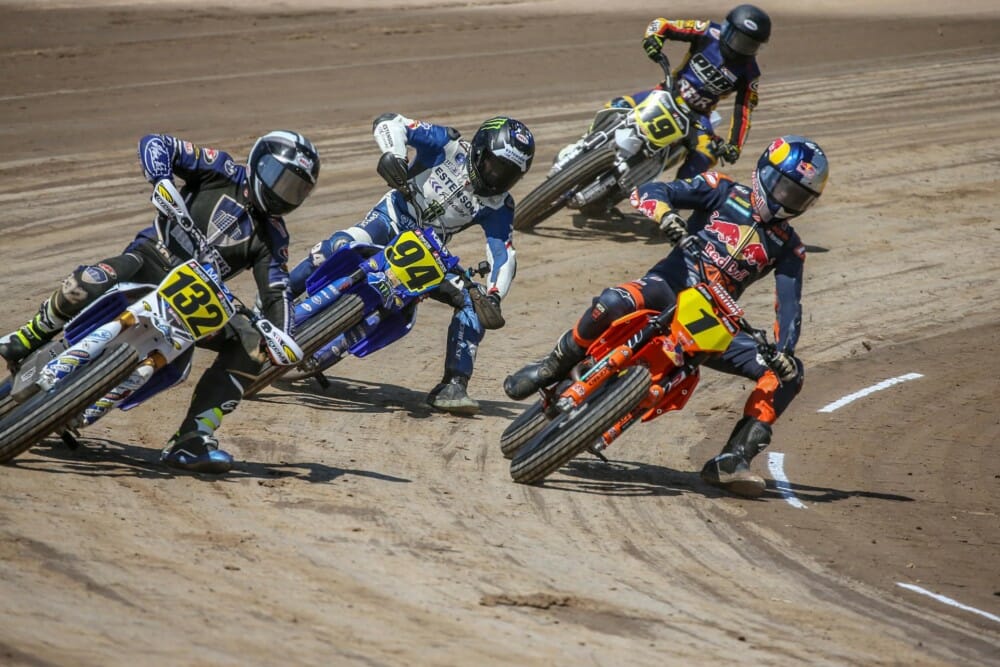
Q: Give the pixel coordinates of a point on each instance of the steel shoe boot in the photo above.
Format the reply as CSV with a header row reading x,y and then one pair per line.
x,y
451,395
196,452
730,470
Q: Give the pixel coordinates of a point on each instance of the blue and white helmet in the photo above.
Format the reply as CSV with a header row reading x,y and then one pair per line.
x,y
500,153
789,178
282,170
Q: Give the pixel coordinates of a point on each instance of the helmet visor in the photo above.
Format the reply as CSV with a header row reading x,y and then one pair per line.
x,y
782,190
498,175
283,181
740,42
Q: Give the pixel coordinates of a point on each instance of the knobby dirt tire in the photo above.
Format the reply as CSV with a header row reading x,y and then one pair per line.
x,y
346,312
549,196
522,429
29,422
571,433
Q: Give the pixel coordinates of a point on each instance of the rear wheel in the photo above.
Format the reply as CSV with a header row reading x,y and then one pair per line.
x,y
572,432
333,321
29,422
551,194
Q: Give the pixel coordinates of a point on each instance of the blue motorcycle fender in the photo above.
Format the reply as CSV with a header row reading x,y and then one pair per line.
x,y
339,264
173,373
393,326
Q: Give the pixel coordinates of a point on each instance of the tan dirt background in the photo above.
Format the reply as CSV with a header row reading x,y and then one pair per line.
x,y
361,528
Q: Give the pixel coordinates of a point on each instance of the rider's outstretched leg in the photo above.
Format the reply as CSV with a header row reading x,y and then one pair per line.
x,y
559,362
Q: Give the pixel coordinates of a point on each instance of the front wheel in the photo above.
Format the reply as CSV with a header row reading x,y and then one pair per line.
x,y
340,316
553,193
522,429
29,422
572,432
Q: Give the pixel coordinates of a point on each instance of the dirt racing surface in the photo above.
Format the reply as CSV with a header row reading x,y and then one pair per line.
x,y
360,527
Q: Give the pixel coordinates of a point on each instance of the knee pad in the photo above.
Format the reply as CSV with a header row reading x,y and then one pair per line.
x,y
608,307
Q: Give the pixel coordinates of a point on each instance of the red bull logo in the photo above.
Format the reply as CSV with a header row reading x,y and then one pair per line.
x,y
732,234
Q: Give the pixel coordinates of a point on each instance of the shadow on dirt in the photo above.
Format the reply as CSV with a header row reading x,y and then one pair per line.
x,y
613,225
349,396
631,478
102,457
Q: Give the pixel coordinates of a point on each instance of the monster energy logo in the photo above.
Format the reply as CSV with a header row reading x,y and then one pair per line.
x,y
494,123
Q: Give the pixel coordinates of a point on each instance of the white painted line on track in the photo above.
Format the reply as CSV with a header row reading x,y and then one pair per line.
x,y
885,384
776,464
947,600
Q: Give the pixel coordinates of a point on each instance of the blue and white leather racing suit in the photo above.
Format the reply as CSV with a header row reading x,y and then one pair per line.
x,y
439,171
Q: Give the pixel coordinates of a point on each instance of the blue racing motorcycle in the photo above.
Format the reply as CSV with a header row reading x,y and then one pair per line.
x,y
376,287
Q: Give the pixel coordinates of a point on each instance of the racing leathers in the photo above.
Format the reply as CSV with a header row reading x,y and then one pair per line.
x,y
230,234
723,220
445,196
702,80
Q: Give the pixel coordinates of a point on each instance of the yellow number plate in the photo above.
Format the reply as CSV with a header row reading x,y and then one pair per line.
x,y
656,121
412,262
193,295
696,315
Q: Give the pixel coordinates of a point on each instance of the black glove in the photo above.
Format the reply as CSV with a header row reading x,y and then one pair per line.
x,y
784,366
727,153
673,226
394,170
653,45
487,307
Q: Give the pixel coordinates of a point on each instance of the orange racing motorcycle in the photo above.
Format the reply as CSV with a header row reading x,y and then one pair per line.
x,y
646,364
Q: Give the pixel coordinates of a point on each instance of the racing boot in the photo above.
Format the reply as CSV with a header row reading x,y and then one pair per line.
x,y
451,395
42,328
566,354
196,452
730,470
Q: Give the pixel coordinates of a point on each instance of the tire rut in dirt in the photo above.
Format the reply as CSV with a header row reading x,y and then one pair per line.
x,y
335,320
43,413
546,199
571,433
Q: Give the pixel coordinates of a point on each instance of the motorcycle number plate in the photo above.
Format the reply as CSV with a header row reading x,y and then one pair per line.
x,y
413,263
658,121
702,329
196,299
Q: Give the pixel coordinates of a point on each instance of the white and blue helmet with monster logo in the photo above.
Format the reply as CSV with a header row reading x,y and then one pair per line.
x,y
500,153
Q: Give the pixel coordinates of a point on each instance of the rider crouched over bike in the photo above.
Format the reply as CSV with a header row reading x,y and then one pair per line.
x,y
721,60
455,184
744,234
237,214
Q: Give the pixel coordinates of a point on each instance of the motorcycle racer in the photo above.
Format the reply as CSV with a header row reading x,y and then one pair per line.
x,y
745,234
458,184
720,61
237,213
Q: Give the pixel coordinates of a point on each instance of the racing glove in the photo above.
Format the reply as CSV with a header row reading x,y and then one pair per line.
x,y
394,170
652,45
727,153
784,366
487,307
673,227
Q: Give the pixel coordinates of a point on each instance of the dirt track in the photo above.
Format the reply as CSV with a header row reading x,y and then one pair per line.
x,y
360,527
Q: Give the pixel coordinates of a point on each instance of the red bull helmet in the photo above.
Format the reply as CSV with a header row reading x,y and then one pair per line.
x,y
789,178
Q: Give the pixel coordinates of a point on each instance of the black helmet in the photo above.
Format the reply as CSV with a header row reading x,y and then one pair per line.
x,y
499,155
747,27
282,169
